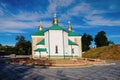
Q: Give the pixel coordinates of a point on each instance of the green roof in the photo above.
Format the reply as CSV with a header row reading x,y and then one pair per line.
x,y
39,33
71,42
55,27
70,33
42,42
41,49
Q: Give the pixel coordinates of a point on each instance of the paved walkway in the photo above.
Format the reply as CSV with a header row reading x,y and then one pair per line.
x,y
21,72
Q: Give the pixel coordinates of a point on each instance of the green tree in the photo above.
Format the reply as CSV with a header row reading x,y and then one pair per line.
x,y
22,46
101,39
86,41
28,47
111,43
0,44
9,50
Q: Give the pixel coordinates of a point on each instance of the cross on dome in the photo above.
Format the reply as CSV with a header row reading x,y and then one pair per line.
x,y
40,26
40,22
68,22
55,20
69,26
54,14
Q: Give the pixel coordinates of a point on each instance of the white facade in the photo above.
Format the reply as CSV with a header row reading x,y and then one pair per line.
x,y
56,42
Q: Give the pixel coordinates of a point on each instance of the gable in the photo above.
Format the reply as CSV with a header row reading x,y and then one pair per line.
x,y
42,42
71,42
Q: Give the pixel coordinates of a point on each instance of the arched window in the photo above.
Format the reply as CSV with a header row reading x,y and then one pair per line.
x,y
72,50
56,49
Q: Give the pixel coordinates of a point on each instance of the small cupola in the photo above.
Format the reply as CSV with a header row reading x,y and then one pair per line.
x,y
40,27
69,26
55,20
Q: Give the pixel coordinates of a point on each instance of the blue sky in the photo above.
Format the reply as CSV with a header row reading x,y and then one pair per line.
x,y
22,17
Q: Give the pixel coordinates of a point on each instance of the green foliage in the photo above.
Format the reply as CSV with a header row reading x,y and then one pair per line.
x,y
111,43
101,39
0,44
23,47
10,50
6,50
86,41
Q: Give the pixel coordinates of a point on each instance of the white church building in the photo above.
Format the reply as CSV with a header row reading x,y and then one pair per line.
x,y
56,42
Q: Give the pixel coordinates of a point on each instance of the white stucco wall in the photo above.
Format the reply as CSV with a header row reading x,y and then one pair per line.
x,y
65,38
80,46
40,54
34,42
56,39
40,46
69,50
46,41
76,52
78,49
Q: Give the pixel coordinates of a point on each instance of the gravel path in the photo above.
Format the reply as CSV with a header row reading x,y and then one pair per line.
x,y
96,72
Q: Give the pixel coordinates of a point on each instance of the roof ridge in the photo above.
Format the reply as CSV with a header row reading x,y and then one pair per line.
x,y
55,27
72,33
38,33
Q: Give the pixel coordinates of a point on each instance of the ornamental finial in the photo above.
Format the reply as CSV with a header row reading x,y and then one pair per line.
x,y
55,20
68,22
40,22
40,26
54,15
69,26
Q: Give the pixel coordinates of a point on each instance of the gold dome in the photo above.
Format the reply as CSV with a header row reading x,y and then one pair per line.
x,y
40,27
55,20
69,26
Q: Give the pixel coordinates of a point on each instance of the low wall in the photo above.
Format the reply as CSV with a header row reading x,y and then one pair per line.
x,y
17,56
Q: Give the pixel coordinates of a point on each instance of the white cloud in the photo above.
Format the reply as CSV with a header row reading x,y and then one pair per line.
x,y
89,13
62,3
26,20
46,24
101,21
105,22
55,6
1,12
7,25
26,16
13,25
16,23
114,36
10,44
13,31
80,8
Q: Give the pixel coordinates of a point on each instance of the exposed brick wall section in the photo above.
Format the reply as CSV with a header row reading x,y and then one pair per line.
x,y
35,40
78,41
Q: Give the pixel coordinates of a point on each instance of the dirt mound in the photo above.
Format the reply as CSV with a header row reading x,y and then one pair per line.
x,y
106,52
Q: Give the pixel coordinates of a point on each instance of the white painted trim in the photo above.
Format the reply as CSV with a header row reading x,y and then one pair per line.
x,y
75,36
38,36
